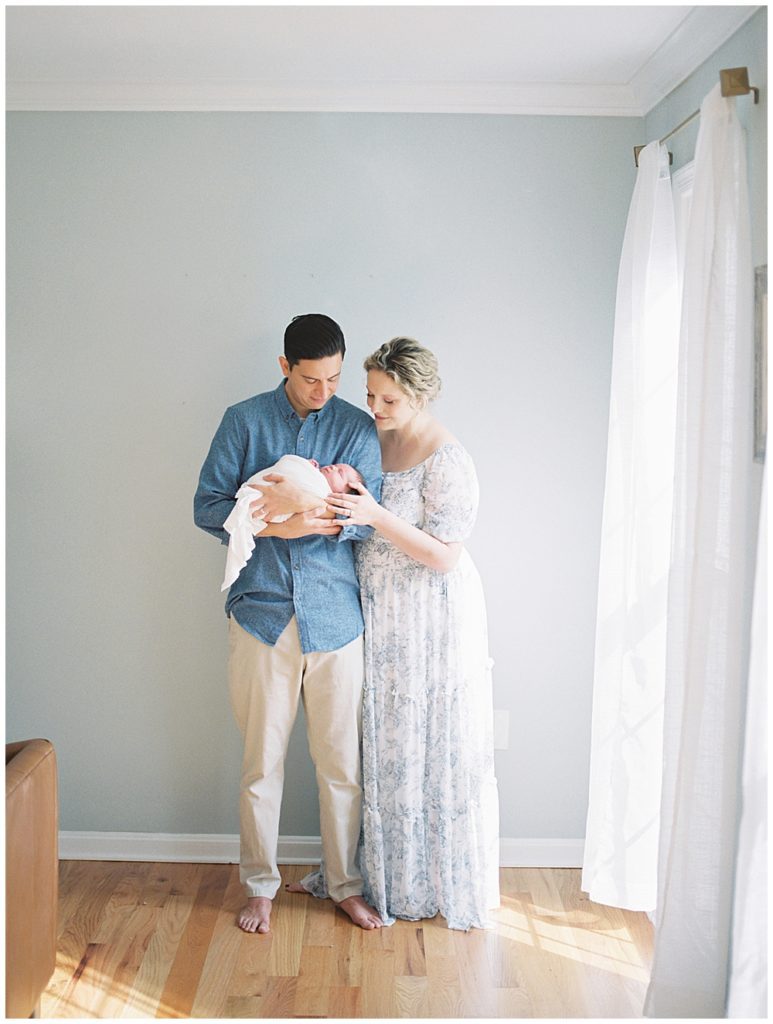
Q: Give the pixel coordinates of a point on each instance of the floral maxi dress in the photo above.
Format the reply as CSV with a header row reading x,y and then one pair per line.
x,y
429,839
430,810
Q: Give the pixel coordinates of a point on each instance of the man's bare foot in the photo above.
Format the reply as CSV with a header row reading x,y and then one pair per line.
x,y
359,911
256,916
296,887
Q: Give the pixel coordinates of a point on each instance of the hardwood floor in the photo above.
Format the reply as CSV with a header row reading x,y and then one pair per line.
x,y
159,940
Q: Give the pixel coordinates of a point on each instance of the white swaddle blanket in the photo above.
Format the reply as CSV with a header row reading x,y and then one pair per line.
x,y
240,523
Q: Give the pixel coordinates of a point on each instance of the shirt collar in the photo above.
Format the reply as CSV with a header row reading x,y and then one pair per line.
x,y
287,411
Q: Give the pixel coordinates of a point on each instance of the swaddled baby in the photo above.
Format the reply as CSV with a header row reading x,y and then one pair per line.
x,y
316,480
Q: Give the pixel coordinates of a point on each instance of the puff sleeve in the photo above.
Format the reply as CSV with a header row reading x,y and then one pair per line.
x,y
450,493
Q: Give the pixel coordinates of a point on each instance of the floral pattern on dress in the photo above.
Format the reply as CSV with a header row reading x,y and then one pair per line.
x,y
430,815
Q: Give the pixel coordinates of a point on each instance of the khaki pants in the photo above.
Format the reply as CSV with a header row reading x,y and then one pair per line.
x,y
265,684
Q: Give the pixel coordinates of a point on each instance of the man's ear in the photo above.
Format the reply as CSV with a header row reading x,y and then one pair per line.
x,y
285,366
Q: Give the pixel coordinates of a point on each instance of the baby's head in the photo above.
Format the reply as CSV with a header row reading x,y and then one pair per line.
x,y
340,477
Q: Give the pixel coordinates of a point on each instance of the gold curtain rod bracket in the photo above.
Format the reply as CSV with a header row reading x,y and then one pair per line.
x,y
638,149
735,82
732,82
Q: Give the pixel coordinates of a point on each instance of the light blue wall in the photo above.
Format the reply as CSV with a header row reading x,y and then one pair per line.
x,y
154,260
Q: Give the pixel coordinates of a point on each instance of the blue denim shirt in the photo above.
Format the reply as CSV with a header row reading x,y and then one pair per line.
x,y
311,577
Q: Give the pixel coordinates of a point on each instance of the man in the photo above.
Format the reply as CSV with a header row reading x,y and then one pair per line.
x,y
295,622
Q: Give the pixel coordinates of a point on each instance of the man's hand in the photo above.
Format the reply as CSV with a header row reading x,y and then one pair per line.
x,y
303,524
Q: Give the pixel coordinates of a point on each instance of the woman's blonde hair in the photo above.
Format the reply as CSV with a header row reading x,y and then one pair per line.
x,y
411,366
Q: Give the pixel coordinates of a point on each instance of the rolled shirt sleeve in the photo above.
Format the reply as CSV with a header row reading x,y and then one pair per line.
x,y
220,477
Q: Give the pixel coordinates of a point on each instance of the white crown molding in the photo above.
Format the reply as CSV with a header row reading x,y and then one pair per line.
x,y
395,97
224,849
701,33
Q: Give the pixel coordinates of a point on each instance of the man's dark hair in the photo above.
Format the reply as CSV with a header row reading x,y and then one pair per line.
x,y
313,336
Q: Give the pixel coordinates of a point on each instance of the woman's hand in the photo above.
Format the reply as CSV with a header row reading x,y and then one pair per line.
x,y
281,499
358,509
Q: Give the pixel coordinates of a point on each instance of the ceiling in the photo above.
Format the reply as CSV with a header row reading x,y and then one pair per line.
x,y
601,60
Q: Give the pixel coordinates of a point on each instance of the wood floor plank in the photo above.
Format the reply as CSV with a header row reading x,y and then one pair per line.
x,y
510,933
438,938
222,953
312,994
513,1002
98,885
250,975
544,982
372,939
183,980
243,1007
123,900
347,963
556,949
288,923
158,885
410,959
378,988
73,877
444,991
123,955
145,997
345,1002
411,999
320,922
76,941
279,999
615,975
475,975
75,999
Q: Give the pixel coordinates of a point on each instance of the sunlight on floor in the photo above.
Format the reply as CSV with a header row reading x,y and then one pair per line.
x,y
90,993
568,934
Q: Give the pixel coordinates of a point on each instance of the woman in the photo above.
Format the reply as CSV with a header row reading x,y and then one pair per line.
x,y
430,806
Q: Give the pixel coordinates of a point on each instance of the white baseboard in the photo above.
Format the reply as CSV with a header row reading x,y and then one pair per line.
x,y
224,849
541,853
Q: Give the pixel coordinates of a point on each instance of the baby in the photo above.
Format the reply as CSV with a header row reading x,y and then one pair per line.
x,y
317,481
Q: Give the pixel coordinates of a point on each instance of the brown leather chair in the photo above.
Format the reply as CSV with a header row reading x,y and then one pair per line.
x,y
31,873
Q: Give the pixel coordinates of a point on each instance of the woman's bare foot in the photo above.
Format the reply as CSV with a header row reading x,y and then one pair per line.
x,y
296,887
256,916
359,911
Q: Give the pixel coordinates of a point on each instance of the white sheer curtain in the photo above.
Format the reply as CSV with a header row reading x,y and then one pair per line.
x,y
709,588
748,988
620,861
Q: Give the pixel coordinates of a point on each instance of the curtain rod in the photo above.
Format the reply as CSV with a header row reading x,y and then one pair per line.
x,y
733,82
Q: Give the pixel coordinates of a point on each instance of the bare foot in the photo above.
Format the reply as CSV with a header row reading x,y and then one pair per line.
x,y
296,887
359,911
255,917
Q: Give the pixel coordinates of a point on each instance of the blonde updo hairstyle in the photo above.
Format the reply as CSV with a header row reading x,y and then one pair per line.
x,y
411,366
